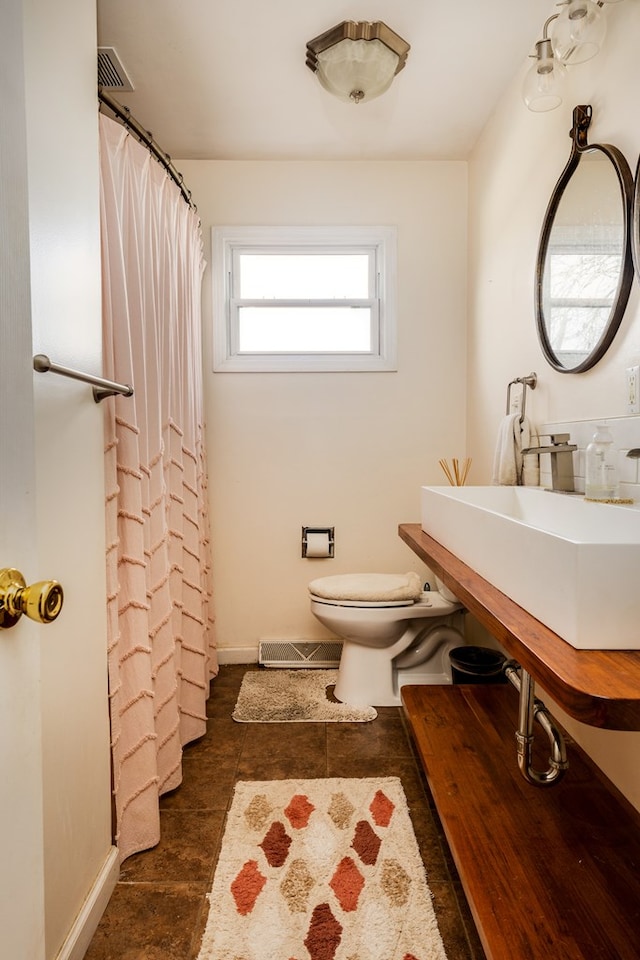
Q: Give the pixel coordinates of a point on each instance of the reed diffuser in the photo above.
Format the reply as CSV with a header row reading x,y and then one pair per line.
x,y
458,472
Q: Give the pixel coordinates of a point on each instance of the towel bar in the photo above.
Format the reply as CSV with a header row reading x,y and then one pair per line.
x,y
101,388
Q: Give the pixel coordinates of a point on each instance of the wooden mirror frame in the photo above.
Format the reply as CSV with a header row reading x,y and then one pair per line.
x,y
581,120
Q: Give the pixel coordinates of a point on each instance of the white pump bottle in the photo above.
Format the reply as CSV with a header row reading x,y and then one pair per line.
x,y
601,480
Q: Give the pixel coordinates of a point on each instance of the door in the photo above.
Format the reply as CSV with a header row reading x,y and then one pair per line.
x,y
22,880
54,739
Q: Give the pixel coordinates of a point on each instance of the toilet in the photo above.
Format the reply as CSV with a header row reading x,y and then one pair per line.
x,y
393,633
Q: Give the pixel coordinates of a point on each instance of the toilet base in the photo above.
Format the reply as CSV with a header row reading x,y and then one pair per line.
x,y
367,677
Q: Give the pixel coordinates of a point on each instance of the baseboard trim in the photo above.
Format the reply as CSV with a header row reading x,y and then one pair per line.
x,y
237,655
79,937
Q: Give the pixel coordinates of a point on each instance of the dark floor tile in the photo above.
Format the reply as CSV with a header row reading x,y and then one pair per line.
x,y
450,924
429,843
188,847
477,951
402,767
451,867
383,737
152,921
224,738
206,785
198,931
224,692
279,740
227,683
222,701
281,768
231,675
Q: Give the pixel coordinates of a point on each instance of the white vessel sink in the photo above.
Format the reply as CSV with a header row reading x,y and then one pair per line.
x,y
572,564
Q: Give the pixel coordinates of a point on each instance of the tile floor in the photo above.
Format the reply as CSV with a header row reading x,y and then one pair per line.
x,y
159,907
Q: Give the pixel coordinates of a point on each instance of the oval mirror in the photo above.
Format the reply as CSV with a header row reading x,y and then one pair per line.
x,y
635,239
584,268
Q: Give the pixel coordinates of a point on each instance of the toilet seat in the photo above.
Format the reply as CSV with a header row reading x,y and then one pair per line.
x,y
362,603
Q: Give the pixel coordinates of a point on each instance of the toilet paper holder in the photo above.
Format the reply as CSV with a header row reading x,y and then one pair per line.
x,y
311,535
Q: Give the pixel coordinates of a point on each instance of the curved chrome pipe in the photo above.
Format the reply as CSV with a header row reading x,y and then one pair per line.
x,y
532,709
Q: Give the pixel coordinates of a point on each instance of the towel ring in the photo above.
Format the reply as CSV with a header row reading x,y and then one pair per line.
x,y
529,381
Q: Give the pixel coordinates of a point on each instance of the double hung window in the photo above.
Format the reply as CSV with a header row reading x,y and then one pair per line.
x,y
304,299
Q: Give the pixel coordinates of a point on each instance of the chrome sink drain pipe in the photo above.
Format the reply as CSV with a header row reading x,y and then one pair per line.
x,y
532,709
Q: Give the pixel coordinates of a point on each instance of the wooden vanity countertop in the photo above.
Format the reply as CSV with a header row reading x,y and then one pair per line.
x,y
598,687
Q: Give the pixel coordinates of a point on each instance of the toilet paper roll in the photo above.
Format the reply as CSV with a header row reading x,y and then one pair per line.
x,y
318,545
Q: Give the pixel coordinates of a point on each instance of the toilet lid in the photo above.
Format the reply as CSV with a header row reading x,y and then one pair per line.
x,y
377,589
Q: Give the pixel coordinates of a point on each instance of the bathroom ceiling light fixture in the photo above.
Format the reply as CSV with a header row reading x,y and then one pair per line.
x,y
542,87
357,61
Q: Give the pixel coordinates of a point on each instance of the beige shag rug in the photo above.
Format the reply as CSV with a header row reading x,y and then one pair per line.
x,y
320,870
294,696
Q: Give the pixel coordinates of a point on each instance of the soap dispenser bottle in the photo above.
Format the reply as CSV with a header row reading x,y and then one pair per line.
x,y
601,480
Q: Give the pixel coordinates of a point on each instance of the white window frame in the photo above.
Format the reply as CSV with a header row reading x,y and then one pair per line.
x,y
379,242
572,240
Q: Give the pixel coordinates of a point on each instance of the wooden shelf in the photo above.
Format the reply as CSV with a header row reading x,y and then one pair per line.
x,y
548,872
598,687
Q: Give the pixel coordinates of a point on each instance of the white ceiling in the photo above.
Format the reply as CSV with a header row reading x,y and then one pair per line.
x,y
226,79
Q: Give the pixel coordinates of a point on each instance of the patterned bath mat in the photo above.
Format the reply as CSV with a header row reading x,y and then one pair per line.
x,y
294,696
320,870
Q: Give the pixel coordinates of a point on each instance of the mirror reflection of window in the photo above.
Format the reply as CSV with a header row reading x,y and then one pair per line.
x,y
580,282
584,260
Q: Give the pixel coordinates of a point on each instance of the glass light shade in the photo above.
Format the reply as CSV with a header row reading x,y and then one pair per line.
x,y
578,32
355,70
542,86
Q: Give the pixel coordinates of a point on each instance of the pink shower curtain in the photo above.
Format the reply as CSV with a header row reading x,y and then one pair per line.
x,y
160,622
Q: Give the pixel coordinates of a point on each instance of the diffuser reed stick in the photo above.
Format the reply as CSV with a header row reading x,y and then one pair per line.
x,y
458,472
447,472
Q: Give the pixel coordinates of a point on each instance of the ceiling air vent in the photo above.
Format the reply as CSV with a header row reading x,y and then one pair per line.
x,y
111,74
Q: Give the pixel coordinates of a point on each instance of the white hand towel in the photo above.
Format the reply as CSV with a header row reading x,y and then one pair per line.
x,y
513,436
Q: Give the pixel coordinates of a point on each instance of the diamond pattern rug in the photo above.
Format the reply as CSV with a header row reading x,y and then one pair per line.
x,y
320,870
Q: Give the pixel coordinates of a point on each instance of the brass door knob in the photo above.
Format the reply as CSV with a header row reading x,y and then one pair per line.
x,y
41,601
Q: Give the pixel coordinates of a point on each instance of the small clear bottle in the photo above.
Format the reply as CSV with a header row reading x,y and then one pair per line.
x,y
601,480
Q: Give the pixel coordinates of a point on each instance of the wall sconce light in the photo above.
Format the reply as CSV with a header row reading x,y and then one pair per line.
x,y
577,34
579,31
357,61
542,88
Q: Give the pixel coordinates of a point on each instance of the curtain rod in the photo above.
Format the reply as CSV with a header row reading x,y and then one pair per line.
x,y
146,138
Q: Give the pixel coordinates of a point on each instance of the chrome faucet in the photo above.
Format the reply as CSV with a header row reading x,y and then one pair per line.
x,y
561,461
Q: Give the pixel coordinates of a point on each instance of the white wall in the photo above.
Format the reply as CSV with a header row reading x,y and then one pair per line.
x,y
511,175
348,450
